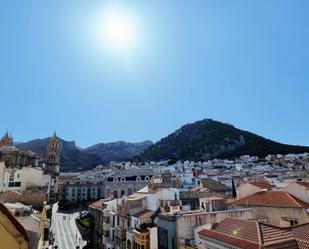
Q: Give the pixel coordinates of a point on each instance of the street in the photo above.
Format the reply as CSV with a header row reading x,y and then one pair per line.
x,y
65,230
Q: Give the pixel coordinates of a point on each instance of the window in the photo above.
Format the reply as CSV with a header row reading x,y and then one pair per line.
x,y
17,184
12,176
286,222
293,222
263,220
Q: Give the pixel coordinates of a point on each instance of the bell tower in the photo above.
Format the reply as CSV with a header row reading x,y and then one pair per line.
x,y
53,156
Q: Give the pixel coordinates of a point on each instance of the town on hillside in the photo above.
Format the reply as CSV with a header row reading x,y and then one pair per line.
x,y
247,202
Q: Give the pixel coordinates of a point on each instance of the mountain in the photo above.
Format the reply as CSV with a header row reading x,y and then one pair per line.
x,y
117,151
208,139
71,157
74,158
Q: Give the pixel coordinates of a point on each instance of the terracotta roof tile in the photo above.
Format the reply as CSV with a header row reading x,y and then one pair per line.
x,y
272,198
241,243
303,244
97,205
262,185
301,232
252,234
304,184
243,229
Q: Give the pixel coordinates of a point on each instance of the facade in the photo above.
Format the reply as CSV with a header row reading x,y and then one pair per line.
x,y
14,157
126,182
77,189
53,156
21,179
235,233
109,224
12,233
96,211
178,230
276,207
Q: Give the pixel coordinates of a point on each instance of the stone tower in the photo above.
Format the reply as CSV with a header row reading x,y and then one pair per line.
x,y
6,140
53,156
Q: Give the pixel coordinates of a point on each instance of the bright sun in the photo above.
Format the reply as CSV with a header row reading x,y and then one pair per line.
x,y
118,29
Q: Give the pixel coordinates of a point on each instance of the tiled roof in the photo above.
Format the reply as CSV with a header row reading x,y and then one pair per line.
x,y
272,198
35,199
303,244
241,243
301,232
304,184
262,185
97,205
252,234
244,229
144,214
215,186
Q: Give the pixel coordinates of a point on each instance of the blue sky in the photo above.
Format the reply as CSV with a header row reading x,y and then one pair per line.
x,y
242,62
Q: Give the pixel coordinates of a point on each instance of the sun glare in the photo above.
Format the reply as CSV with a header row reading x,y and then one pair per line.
x,y
117,29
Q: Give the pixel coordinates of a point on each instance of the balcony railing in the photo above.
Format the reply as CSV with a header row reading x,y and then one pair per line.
x,y
106,226
120,233
141,237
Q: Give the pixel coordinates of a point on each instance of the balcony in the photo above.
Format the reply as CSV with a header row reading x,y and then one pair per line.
x,y
141,237
120,233
106,226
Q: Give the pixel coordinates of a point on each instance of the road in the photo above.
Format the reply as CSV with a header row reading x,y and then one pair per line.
x,y
65,230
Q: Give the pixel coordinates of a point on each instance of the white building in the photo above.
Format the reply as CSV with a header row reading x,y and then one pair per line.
x,y
19,179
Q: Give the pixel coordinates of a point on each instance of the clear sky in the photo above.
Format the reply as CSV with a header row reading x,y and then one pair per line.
x,y
242,62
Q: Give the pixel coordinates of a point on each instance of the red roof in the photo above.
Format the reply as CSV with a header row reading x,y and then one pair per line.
x,y
16,224
272,198
262,185
253,234
304,184
97,205
229,239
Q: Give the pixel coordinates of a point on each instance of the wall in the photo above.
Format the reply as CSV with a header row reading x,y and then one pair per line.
x,y
8,235
186,223
298,191
246,190
166,233
274,214
153,237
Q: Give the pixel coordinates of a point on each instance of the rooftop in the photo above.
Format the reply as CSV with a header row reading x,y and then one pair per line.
x,y
272,198
304,184
252,234
262,185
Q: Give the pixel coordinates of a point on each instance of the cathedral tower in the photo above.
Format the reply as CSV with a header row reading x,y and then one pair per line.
x,y
53,156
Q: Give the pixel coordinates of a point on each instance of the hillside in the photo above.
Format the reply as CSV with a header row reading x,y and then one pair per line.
x,y
208,139
117,151
73,158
